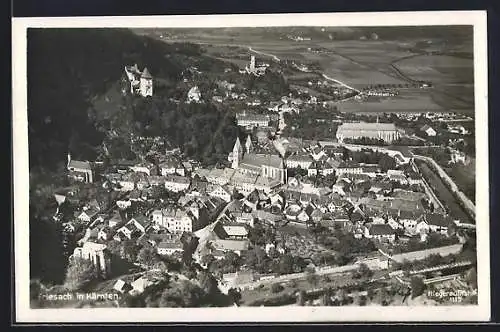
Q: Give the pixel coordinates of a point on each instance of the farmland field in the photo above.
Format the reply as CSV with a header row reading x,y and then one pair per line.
x,y
407,101
441,68
359,62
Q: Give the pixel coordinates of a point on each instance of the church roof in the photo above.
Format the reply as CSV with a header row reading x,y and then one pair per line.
x,y
146,74
258,160
237,144
248,141
79,165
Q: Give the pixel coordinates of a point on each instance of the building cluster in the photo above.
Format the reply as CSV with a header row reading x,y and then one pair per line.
x,y
253,69
141,83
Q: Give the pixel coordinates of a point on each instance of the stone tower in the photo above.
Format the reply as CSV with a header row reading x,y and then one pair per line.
x,y
237,153
146,83
252,63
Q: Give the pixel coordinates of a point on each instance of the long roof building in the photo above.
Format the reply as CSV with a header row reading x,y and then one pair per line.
x,y
385,131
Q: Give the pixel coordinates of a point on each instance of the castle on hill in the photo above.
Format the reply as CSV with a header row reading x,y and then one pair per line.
x,y
141,83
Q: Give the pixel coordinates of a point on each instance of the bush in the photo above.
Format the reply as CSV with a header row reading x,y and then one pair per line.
x,y
276,288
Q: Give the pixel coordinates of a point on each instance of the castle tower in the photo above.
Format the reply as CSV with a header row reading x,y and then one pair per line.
x,y
249,145
237,153
146,83
252,63
69,160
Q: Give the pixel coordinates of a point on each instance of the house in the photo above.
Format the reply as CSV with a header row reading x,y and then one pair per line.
x,y
176,183
235,231
428,130
105,234
133,229
140,284
348,168
141,222
267,217
88,214
382,232
317,153
169,166
292,211
123,204
304,161
249,120
414,179
397,177
194,95
438,222
146,168
236,246
115,220
237,280
219,191
394,224
80,170
122,286
169,247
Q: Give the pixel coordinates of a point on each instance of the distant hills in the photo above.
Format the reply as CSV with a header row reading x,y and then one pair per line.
x,y
452,34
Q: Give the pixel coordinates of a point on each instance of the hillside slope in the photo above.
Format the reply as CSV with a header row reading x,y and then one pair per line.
x,y
67,68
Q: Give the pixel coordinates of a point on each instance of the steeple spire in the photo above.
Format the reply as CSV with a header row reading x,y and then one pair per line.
x,y
237,153
249,145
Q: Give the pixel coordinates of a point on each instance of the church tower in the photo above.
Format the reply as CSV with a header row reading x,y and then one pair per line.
x,y
237,153
249,145
146,83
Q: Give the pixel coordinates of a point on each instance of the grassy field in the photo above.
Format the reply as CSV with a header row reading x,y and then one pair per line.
x,y
444,194
411,100
465,178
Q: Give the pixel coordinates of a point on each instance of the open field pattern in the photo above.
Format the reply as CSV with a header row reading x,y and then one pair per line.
x,y
414,100
361,63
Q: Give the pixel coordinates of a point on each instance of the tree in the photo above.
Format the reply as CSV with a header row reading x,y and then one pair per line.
x,y
208,283
182,294
370,294
417,286
234,295
301,298
341,296
383,296
147,256
364,271
80,274
362,300
276,288
471,277
312,278
129,250
207,259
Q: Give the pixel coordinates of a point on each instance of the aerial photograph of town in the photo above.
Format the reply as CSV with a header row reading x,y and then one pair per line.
x,y
253,166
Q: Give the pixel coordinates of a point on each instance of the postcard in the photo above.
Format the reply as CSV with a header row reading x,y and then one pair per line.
x,y
251,168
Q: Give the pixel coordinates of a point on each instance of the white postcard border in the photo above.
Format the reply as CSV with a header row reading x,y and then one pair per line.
x,y
481,312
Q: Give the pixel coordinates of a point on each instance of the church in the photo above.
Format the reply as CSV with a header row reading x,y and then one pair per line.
x,y
264,165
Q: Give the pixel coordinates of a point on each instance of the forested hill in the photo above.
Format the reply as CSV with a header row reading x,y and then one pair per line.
x,y
67,68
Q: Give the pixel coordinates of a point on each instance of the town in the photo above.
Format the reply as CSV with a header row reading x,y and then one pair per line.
x,y
309,205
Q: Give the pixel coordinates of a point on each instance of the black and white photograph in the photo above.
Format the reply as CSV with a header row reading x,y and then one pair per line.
x,y
291,167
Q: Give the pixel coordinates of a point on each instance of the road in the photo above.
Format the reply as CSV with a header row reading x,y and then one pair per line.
x,y
301,275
